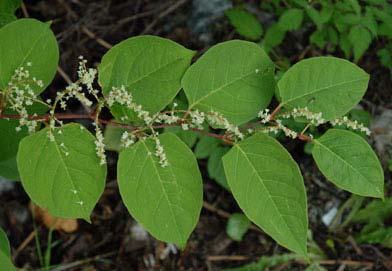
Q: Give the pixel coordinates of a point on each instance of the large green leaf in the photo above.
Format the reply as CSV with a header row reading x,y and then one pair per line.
x,y
234,78
64,175
165,200
149,67
28,41
348,161
245,23
268,186
328,85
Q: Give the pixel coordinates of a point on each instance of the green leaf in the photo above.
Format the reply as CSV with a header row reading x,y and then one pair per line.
x,y
318,37
9,138
4,244
377,210
345,45
112,137
245,23
5,263
348,161
205,146
381,236
9,6
24,41
149,67
215,166
370,23
356,7
64,175
268,186
328,85
9,142
234,78
360,39
315,16
6,18
237,225
165,200
291,19
189,137
5,253
273,37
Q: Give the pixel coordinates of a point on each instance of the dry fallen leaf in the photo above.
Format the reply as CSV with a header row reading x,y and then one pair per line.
x,y
51,222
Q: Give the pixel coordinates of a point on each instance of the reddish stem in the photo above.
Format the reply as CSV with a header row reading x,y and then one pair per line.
x,y
276,110
65,116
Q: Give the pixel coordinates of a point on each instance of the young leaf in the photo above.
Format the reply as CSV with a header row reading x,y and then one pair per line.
x,y
291,19
189,137
245,23
360,38
9,142
268,186
328,85
9,6
237,225
205,146
348,161
7,10
24,42
234,78
64,175
112,137
273,37
215,166
149,67
165,200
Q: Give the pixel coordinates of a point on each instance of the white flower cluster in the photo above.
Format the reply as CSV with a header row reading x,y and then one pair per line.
x,y
87,75
313,118
160,152
123,97
99,144
127,139
288,132
20,94
352,124
169,118
197,119
214,118
265,116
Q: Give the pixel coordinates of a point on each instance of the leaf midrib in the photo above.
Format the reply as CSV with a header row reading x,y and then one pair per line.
x,y
164,190
340,158
269,195
68,174
322,89
222,87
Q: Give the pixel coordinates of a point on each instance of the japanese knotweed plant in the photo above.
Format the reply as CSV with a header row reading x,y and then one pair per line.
x,y
227,91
